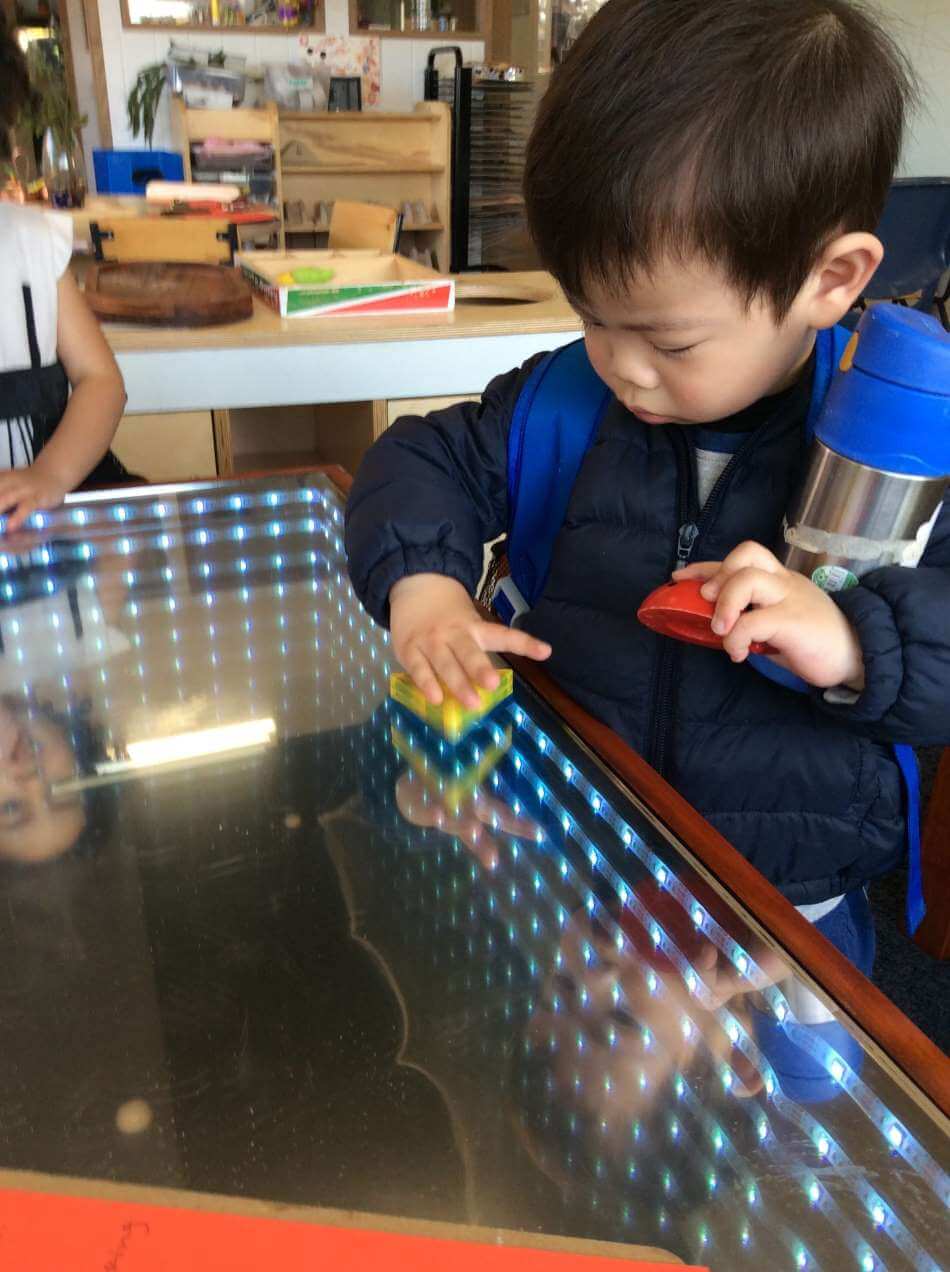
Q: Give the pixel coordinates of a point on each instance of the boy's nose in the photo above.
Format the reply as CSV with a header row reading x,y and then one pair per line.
x,y
634,366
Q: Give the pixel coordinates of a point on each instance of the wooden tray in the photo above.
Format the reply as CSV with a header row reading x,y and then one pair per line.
x,y
167,295
500,292
363,282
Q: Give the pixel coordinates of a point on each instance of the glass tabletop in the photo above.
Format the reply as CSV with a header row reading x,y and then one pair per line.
x,y
268,934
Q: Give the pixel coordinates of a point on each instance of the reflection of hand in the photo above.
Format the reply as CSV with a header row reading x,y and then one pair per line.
x,y
636,1018
473,823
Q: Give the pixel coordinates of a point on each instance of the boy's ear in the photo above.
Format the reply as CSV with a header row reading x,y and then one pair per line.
x,y
841,275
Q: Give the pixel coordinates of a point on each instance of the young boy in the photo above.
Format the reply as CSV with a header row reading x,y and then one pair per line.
x,y
703,181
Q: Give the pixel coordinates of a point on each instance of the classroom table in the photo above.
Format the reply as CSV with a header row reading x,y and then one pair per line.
x,y
273,361
278,955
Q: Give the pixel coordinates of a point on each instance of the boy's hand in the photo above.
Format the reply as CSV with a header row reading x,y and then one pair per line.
x,y
439,635
25,490
758,599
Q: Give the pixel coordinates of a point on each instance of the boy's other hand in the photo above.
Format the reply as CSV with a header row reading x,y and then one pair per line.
x,y
27,490
758,599
439,635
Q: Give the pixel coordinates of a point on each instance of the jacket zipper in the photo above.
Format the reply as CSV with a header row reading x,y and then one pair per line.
x,y
687,534
692,523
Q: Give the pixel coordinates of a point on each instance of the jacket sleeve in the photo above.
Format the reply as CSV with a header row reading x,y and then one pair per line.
x,y
430,493
902,618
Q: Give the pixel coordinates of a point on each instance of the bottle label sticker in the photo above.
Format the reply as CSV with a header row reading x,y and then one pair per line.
x,y
834,578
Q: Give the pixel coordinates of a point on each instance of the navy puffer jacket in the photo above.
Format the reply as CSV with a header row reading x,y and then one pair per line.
x,y
809,792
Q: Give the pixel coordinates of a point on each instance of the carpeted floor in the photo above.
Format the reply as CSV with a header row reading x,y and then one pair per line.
x,y
918,984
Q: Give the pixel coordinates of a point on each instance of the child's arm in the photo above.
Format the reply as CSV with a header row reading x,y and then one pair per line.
x,y
89,422
888,638
429,494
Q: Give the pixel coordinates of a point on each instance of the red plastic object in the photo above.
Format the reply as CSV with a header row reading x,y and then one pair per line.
x,y
679,610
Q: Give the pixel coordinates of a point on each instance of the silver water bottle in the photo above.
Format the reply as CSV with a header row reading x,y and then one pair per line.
x,y
880,459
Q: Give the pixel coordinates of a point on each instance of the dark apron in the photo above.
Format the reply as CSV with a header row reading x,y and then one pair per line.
x,y
39,394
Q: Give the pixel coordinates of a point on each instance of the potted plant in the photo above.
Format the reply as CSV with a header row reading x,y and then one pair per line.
x,y
143,100
54,118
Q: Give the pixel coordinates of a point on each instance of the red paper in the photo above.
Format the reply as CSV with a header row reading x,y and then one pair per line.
x,y
42,1232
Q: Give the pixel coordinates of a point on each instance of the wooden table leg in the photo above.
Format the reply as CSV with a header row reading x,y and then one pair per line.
x,y
933,935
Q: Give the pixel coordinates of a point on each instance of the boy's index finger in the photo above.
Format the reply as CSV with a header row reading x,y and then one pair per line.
x,y
495,638
697,570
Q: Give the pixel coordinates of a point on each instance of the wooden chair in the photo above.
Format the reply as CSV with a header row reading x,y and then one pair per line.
x,y
211,241
364,225
933,935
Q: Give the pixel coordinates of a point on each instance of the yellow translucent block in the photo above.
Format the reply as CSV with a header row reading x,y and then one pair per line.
x,y
450,718
453,792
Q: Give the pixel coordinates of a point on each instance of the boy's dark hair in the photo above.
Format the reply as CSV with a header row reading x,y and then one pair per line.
x,y
14,80
747,132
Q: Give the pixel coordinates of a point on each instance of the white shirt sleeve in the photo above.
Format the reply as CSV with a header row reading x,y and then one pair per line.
x,y
60,228
35,247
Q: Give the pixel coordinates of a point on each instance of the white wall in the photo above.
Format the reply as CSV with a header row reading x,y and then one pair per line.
x,y
923,28
127,51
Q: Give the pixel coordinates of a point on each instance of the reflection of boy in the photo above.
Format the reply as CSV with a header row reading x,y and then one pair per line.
x,y
38,749
703,182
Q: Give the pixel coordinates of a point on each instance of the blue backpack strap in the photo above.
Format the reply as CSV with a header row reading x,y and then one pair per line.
x,y
915,905
555,420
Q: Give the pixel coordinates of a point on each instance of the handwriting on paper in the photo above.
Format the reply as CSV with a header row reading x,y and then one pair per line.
x,y
134,1228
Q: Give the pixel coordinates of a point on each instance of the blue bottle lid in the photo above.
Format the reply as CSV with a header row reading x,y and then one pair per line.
x,y
890,409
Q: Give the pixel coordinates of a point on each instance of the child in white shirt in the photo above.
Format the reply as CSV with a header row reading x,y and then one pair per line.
x,y
61,393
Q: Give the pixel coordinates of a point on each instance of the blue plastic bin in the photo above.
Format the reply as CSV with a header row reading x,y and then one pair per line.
x,y
130,171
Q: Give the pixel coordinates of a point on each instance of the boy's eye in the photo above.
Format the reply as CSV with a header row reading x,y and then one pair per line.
x,y
674,353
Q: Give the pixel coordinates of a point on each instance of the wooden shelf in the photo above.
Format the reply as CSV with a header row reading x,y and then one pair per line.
x,y
430,36
321,156
475,23
358,116
238,124
207,29
316,26
356,170
322,227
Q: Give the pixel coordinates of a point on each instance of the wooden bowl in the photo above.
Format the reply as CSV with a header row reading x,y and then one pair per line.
x,y
167,294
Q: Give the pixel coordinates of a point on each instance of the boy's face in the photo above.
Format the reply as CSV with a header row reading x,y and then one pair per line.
x,y
681,347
